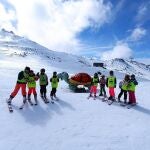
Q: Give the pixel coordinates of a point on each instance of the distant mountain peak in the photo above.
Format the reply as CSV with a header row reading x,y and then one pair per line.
x,y
6,31
129,66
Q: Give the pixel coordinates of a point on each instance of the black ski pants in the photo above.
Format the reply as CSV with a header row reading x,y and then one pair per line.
x,y
125,95
43,90
102,90
53,92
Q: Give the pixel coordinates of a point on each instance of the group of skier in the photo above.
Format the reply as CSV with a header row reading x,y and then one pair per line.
x,y
127,85
29,78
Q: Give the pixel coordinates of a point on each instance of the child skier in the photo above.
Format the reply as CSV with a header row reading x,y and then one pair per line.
x,y
21,83
102,86
94,84
111,84
32,87
54,84
43,81
124,88
132,84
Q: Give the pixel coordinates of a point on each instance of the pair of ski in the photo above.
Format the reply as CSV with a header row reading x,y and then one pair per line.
x,y
106,99
111,101
94,97
10,108
54,99
22,106
128,106
45,100
51,101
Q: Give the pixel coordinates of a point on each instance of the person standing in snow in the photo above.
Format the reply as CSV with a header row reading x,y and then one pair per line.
x,y
111,84
23,77
54,84
131,89
94,84
102,83
124,88
32,86
43,81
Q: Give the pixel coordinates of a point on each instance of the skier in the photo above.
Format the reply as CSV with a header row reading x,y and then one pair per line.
x,y
21,83
94,84
102,86
54,84
124,88
32,86
132,84
111,84
43,81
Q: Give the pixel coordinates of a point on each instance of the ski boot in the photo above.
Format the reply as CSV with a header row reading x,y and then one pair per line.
x,y
42,96
110,98
24,102
9,100
104,98
89,96
56,98
52,99
29,99
100,94
113,99
35,98
119,101
94,97
45,98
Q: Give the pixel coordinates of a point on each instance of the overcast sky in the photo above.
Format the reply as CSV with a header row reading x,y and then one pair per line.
x,y
102,28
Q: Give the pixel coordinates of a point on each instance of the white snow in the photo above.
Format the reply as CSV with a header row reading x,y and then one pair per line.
x,y
72,123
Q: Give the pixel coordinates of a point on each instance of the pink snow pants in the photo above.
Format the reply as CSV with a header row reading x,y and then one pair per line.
x,y
112,91
32,90
132,98
93,89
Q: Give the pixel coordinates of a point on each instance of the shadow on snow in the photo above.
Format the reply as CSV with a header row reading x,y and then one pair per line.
x,y
37,115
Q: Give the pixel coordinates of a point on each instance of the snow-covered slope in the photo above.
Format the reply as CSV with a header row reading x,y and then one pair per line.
x,y
12,45
129,67
73,123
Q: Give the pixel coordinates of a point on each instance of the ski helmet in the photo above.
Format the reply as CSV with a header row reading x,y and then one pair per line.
x,y
111,72
54,73
132,76
42,70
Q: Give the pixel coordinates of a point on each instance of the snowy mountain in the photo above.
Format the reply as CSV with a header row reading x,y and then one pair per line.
x,y
13,45
129,66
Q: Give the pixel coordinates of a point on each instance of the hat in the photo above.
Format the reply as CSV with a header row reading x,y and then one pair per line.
x,y
54,73
31,71
132,76
42,70
27,68
111,72
95,74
